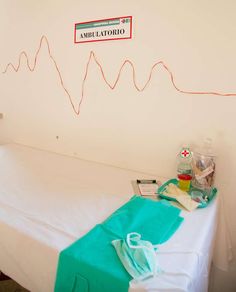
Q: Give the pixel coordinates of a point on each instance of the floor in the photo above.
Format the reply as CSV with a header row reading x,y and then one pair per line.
x,y
8,285
11,286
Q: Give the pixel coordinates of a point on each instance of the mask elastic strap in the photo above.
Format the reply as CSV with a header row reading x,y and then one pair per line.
x,y
135,237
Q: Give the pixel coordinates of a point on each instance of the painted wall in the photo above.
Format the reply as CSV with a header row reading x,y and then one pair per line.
x,y
123,127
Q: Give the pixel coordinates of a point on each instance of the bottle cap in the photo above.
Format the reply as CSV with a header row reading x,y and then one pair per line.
x,y
184,176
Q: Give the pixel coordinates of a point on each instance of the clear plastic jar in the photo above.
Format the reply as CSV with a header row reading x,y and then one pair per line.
x,y
203,166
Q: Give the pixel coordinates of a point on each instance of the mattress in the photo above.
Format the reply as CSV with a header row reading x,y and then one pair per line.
x,y
47,201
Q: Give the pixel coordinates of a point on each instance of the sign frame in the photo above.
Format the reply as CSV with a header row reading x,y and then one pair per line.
x,y
103,22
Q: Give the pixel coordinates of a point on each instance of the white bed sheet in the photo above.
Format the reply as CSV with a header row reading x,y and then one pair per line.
x,y
47,201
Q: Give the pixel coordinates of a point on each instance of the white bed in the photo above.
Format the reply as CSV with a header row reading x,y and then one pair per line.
x,y
47,201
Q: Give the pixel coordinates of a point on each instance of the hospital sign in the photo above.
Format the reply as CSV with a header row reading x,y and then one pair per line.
x,y
103,30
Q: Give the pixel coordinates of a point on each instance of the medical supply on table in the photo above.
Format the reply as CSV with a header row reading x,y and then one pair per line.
x,y
184,182
138,256
147,187
184,161
173,193
203,166
140,259
92,261
198,196
182,197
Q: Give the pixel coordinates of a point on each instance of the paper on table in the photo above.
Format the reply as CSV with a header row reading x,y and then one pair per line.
x,y
147,187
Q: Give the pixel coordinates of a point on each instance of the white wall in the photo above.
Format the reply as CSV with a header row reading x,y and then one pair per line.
x,y
123,127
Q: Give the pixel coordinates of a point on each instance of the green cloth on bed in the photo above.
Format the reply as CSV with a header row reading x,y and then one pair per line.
x,y
91,264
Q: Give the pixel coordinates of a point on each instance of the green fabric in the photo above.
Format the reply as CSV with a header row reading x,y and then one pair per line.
x,y
91,263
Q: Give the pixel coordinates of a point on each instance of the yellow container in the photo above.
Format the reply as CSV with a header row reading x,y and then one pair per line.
x,y
184,182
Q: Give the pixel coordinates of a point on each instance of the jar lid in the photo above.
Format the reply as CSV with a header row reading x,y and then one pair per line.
x,y
184,176
206,149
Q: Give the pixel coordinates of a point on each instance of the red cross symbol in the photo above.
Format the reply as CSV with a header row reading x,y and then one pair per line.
x,y
185,153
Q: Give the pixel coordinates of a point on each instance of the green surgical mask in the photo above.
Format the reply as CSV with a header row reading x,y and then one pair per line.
x,y
139,257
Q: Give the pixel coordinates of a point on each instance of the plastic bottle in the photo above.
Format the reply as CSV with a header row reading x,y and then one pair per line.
x,y
184,161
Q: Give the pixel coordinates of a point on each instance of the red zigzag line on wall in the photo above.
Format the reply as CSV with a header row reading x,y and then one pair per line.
x,y
92,56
